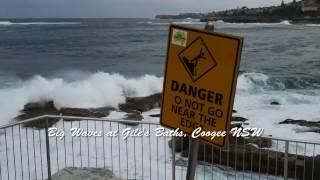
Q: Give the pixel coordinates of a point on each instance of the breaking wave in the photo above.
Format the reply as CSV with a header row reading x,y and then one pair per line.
x,y
97,90
186,21
313,25
282,23
260,81
105,89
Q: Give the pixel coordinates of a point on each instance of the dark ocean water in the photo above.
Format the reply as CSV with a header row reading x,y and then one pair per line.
x,y
97,62
110,45
49,47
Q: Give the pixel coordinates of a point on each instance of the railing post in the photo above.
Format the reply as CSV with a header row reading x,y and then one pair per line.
x,y
48,150
285,169
173,141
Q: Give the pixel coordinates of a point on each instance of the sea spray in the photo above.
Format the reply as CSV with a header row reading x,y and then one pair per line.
x,y
97,90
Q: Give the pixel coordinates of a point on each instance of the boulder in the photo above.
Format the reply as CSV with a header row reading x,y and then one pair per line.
x,y
141,104
239,119
35,109
305,123
133,116
154,115
260,141
236,125
33,106
74,173
275,103
81,112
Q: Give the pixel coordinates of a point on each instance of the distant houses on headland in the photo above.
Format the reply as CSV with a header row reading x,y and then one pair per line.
x,y
311,6
305,11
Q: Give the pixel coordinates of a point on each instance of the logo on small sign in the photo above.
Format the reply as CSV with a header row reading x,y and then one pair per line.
x,y
197,59
179,37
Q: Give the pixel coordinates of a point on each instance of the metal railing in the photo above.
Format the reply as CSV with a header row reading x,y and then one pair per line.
x,y
39,147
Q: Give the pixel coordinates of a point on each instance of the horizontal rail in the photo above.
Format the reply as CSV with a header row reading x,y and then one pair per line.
x,y
43,117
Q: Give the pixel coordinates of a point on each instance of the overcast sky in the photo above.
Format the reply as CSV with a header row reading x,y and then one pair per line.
x,y
117,8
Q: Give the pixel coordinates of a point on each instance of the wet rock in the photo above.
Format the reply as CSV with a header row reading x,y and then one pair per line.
x,y
36,109
236,125
314,130
81,112
133,116
154,115
239,119
275,103
305,123
141,104
103,110
73,173
33,106
260,141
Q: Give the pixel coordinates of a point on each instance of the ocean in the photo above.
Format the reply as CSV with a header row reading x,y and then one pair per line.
x,y
99,62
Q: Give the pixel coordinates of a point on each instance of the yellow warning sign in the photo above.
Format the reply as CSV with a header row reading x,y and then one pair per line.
x,y
200,81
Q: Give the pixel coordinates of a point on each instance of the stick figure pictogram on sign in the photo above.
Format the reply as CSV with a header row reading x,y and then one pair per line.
x,y
197,63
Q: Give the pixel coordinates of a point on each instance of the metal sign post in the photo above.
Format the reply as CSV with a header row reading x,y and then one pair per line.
x,y
193,143
193,158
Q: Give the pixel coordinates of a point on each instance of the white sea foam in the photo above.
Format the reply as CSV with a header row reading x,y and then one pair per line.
x,y
7,23
220,21
249,25
97,90
188,22
248,81
185,21
313,25
255,92
285,22
253,98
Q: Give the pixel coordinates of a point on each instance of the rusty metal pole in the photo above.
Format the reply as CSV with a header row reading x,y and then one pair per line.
x,y
193,143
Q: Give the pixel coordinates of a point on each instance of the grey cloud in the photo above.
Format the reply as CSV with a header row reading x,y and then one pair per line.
x,y
117,8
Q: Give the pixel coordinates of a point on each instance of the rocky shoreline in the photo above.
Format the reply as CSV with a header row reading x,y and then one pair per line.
x,y
293,12
244,153
133,106
265,19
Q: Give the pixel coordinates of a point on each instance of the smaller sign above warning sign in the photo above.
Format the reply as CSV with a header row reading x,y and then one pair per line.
x,y
179,37
200,81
